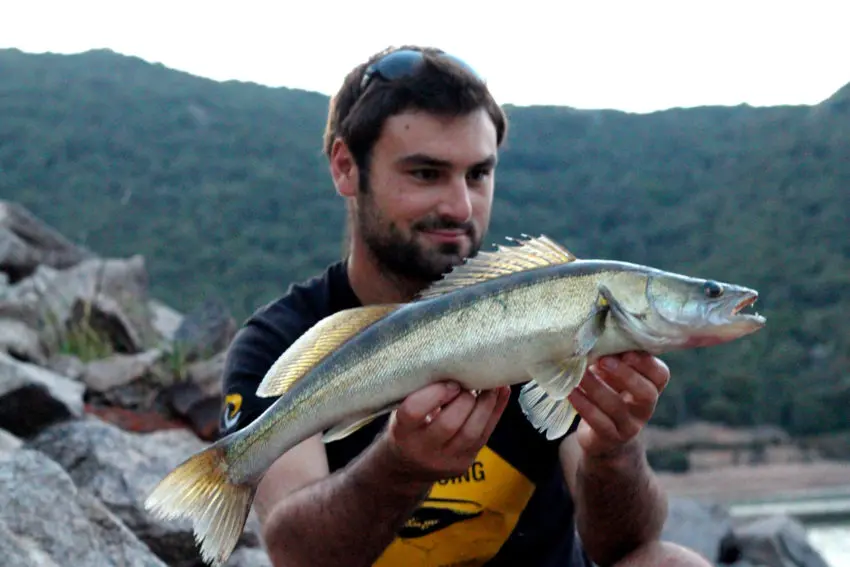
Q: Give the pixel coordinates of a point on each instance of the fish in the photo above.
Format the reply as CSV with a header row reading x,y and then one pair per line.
x,y
528,313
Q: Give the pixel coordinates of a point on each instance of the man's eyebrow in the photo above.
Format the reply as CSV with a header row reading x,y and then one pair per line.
x,y
430,161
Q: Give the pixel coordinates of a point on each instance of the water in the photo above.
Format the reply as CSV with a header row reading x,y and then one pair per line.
x,y
832,541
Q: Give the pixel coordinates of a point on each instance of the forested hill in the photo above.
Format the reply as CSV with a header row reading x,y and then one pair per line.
x,y
223,188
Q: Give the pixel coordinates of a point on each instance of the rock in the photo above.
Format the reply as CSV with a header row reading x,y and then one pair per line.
x,y
101,295
120,468
118,370
67,365
701,527
106,318
205,331
21,341
8,443
164,319
32,397
26,243
47,521
776,541
136,421
249,557
197,399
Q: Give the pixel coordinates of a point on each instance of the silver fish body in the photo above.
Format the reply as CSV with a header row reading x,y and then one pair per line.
x,y
532,314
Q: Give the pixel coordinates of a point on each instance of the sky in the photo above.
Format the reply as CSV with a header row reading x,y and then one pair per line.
x,y
636,56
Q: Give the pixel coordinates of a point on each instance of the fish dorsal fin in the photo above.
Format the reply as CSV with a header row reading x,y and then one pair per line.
x,y
318,342
529,253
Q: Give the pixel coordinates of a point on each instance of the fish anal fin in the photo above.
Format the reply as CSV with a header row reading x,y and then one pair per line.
x,y
548,415
529,253
350,426
318,342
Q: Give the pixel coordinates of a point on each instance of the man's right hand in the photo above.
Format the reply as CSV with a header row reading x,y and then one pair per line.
x,y
438,430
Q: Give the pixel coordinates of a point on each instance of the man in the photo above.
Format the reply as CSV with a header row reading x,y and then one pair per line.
x,y
452,477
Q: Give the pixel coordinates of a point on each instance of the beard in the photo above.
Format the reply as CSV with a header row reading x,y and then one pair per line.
x,y
405,255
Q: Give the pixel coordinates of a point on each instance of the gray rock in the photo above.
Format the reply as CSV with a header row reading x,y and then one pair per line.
x,y
67,365
777,541
249,557
206,330
46,521
118,369
8,443
26,243
697,525
120,468
32,397
21,341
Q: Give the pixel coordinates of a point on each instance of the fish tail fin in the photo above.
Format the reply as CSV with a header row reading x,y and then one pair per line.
x,y
199,489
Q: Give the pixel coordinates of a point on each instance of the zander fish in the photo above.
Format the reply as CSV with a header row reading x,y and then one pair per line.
x,y
531,313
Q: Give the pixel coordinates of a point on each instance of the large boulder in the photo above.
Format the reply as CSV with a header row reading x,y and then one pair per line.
x,y
46,520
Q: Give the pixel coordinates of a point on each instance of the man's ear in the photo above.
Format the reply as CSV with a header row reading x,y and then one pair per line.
x,y
343,169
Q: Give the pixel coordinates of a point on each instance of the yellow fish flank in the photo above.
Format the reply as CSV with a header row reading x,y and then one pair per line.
x,y
531,313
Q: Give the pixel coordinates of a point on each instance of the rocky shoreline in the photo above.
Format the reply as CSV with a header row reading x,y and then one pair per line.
x,y
103,390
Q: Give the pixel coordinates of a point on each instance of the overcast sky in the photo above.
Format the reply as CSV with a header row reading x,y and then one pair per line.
x,y
631,55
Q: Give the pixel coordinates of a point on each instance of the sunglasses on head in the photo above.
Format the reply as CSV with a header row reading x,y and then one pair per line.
x,y
402,63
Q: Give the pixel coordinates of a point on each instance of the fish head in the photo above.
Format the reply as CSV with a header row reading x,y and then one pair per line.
x,y
662,311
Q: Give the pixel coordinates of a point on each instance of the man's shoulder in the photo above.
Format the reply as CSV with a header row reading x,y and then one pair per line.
x,y
305,301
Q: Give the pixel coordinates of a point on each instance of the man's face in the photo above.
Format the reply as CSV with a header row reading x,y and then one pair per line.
x,y
426,204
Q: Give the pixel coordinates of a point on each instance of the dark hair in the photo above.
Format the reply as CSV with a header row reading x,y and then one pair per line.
x,y
440,86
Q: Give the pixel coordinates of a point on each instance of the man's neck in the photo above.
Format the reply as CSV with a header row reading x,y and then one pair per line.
x,y
373,285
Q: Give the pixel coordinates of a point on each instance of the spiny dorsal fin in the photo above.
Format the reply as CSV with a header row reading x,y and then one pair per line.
x,y
529,253
313,346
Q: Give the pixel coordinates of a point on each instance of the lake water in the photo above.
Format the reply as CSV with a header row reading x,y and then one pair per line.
x,y
832,542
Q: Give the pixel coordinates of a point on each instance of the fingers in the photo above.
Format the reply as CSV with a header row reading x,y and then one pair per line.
x,y
423,405
452,417
606,411
650,367
623,376
480,421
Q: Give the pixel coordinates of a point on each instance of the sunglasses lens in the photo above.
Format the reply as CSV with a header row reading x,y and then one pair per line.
x,y
401,63
398,64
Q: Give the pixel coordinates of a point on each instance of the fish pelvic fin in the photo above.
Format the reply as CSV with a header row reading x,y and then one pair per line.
x,y
547,414
529,253
199,489
317,343
350,426
543,399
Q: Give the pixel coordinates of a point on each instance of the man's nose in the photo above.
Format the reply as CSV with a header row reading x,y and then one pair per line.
x,y
455,202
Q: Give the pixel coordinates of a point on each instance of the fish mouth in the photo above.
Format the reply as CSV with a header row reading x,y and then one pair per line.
x,y
741,310
744,303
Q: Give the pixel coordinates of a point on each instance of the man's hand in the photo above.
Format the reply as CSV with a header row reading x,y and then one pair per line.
x,y
437,431
616,401
619,504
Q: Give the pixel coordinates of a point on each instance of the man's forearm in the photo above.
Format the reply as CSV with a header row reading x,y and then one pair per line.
x,y
348,518
619,503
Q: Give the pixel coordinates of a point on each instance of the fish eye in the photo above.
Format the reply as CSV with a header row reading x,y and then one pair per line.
x,y
712,289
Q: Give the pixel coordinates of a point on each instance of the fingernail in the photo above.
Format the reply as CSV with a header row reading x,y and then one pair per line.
x,y
454,387
609,363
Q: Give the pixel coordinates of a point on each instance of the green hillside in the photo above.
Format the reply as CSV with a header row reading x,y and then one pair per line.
x,y
222,186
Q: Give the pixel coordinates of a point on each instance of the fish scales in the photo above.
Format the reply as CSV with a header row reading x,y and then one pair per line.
x,y
531,313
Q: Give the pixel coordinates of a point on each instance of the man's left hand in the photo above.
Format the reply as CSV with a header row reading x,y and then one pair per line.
x,y
616,401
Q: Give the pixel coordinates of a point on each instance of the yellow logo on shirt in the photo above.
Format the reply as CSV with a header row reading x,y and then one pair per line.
x,y
465,520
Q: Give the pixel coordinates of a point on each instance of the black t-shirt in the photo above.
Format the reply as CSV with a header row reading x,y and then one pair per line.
x,y
511,506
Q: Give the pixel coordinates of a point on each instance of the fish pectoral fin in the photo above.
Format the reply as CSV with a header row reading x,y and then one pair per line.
x,y
345,428
318,342
557,377
547,414
529,253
